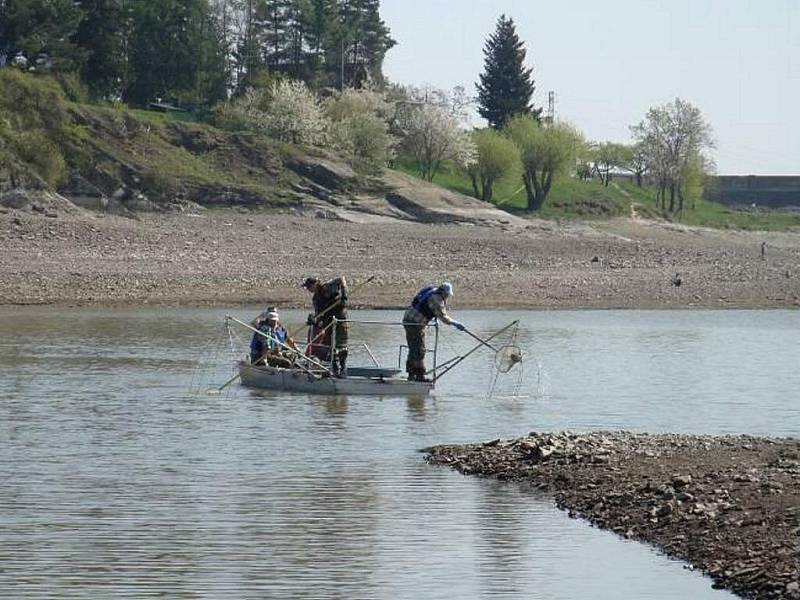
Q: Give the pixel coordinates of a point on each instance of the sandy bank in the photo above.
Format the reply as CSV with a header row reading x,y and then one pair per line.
x,y
729,506
225,257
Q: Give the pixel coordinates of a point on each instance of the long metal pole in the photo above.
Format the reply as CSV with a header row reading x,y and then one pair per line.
x,y
292,350
335,304
475,349
435,344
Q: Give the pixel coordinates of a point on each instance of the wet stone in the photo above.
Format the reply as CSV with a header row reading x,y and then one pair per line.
x,y
725,505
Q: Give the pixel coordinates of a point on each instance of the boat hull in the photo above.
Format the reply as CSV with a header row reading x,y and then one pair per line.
x,y
290,380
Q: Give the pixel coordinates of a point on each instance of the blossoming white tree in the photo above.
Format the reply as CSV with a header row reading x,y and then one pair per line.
x,y
432,135
360,127
287,110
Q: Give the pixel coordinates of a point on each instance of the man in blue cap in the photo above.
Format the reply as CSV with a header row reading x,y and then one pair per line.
x,y
429,303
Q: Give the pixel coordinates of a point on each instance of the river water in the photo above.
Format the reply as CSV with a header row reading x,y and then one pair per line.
x,y
120,476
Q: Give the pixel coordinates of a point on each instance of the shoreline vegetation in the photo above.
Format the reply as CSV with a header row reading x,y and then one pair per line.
x,y
729,506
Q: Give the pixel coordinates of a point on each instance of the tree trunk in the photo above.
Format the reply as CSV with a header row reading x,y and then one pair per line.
x,y
530,193
672,198
487,190
475,189
541,190
639,179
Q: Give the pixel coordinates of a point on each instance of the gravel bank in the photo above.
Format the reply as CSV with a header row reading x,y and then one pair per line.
x,y
729,506
224,257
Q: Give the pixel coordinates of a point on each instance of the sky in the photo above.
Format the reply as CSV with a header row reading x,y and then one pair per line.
x,y
738,61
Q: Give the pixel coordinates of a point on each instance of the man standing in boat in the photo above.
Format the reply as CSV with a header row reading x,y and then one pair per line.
x,y
330,301
429,303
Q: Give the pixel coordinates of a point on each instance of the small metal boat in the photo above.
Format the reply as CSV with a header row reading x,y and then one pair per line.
x,y
310,375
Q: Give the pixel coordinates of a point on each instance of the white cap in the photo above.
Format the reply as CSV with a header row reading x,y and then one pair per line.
x,y
447,288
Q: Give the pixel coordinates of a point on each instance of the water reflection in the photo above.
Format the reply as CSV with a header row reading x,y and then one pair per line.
x,y
116,482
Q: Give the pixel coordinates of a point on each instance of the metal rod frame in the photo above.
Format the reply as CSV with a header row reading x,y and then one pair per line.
x,y
292,350
475,349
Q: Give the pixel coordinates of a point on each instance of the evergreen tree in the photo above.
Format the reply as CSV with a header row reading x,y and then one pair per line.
x,y
275,31
358,44
297,18
320,20
213,77
102,34
247,57
371,41
172,49
41,30
505,88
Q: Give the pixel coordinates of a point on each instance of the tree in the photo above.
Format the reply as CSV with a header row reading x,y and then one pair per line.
x,y
609,156
637,162
431,135
102,33
320,20
497,158
673,137
42,32
546,153
505,88
287,111
275,36
175,50
359,128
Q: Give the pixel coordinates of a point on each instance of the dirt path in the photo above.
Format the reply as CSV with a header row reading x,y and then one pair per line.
x,y
228,257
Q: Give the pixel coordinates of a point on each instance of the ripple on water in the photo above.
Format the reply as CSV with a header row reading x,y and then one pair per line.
x,y
119,483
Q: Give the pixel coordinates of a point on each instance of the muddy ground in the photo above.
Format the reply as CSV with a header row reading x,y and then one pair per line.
x,y
729,506
224,257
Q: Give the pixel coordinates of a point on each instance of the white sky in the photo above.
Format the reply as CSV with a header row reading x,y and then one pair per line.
x,y
608,62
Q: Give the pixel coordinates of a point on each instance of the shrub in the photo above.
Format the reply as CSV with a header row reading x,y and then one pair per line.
x,y
73,87
31,102
364,140
432,135
497,158
44,156
359,128
287,111
157,183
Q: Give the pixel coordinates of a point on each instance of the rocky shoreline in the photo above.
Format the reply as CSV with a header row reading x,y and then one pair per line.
x,y
226,257
729,506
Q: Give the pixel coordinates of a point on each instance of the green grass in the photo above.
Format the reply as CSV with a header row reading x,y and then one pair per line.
x,y
574,199
711,214
568,198
155,116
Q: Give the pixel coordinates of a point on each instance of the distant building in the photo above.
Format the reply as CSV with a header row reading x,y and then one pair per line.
x,y
755,191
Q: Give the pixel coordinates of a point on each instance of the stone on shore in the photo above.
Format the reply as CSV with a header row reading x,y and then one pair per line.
x,y
730,506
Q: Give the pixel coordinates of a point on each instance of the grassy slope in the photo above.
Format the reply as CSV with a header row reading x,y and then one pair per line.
x,y
45,138
570,198
172,155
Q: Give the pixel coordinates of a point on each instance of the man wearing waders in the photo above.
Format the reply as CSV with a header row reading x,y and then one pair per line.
x,y
429,303
329,300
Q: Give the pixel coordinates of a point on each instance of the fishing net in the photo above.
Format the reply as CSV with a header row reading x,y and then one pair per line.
x,y
214,364
507,357
509,378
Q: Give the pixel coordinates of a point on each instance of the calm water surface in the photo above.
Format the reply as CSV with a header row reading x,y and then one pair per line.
x,y
120,477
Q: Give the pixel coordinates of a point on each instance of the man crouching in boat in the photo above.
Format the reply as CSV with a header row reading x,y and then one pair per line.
x,y
429,303
266,347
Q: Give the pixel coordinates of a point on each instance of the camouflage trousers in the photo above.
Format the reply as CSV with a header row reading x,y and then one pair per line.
x,y
415,339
